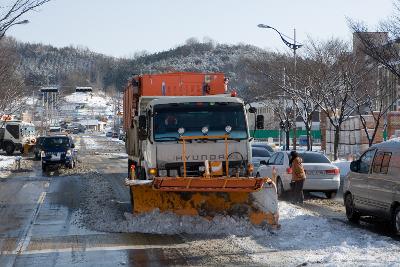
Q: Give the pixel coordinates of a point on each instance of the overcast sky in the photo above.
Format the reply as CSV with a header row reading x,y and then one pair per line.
x,y
123,27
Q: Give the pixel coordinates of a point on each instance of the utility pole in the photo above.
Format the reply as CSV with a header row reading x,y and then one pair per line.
x,y
295,90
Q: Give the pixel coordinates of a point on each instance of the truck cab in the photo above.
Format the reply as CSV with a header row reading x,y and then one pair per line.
x,y
164,120
15,134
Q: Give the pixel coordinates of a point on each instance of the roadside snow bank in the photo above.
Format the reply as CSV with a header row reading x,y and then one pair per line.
x,y
317,240
6,162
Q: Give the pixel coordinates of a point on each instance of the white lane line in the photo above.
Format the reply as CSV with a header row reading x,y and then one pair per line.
x,y
93,249
26,237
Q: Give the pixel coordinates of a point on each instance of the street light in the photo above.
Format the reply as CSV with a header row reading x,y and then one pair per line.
x,y
294,47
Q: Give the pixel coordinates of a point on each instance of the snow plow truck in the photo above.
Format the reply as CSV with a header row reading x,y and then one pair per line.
x,y
189,149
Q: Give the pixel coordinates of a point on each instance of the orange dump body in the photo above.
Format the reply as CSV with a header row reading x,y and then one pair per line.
x,y
170,84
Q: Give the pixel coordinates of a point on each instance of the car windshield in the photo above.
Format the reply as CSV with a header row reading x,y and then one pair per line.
x,y
260,152
28,130
56,142
192,117
313,158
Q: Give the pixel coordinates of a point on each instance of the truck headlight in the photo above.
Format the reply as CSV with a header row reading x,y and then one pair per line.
x,y
69,153
42,154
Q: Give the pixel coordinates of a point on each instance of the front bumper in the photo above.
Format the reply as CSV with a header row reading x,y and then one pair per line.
x,y
321,184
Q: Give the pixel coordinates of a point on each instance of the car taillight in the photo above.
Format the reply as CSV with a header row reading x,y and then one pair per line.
x,y
289,170
333,171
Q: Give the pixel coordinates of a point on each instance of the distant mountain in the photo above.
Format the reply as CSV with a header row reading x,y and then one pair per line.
x,y
71,66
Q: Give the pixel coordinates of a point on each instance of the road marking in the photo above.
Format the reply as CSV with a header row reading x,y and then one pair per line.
x,y
93,249
26,237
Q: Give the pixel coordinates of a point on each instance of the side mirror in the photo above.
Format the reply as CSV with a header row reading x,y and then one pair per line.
x,y
263,162
142,122
355,166
252,110
142,127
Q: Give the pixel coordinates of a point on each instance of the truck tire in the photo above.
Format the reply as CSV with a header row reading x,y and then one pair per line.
x,y
9,148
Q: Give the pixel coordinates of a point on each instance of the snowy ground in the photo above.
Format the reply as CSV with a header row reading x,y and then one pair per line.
x,y
6,164
305,237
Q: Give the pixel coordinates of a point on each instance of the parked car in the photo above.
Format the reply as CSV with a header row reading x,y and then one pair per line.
x,y
264,145
109,134
58,150
259,154
38,147
114,135
372,187
322,175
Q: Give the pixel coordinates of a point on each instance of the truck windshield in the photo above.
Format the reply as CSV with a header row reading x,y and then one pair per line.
x,y
192,117
56,142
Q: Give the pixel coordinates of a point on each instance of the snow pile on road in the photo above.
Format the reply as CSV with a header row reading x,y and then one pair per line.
x,y
101,212
317,240
90,143
157,222
6,162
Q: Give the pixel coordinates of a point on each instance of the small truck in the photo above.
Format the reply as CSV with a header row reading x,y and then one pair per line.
x,y
15,135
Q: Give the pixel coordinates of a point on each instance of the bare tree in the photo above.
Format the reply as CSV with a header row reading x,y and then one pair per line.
x,y
335,76
11,83
373,105
12,13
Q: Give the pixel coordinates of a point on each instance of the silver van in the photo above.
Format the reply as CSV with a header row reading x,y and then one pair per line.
x,y
373,184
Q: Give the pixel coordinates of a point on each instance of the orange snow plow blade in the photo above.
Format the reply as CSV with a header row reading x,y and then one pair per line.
x,y
217,184
254,199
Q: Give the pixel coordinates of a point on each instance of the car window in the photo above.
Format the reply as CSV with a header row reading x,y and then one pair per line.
x,y
381,162
13,130
271,161
279,159
314,158
366,160
260,152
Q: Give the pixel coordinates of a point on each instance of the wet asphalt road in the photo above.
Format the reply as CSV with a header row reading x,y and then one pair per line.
x,y
37,226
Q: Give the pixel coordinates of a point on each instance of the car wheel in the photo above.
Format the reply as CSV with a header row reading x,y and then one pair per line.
x,y
9,148
330,194
396,221
351,213
279,187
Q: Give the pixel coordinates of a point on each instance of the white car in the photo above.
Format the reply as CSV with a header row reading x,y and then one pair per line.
x,y
322,175
259,154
